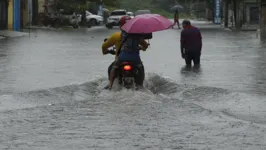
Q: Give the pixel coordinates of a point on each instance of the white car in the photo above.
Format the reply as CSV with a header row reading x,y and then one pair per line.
x,y
130,14
92,19
114,18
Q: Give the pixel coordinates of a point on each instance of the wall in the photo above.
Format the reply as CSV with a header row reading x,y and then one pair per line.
x,y
16,15
231,17
3,14
263,20
236,21
25,12
19,14
250,1
10,15
35,12
41,4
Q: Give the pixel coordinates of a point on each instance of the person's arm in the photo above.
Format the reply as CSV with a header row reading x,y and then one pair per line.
x,y
200,37
182,43
107,44
144,45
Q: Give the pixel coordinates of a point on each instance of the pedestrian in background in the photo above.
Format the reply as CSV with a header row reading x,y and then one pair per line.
x,y
191,44
176,19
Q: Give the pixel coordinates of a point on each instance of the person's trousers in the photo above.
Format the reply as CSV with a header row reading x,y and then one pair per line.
x,y
192,56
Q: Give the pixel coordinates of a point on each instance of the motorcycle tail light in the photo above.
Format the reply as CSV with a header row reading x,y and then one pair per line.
x,y
127,68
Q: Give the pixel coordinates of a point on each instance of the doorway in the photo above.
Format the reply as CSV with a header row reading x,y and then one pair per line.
x,y
3,14
254,15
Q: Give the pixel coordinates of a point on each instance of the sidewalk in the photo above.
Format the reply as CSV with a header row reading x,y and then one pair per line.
x,y
244,27
11,34
250,27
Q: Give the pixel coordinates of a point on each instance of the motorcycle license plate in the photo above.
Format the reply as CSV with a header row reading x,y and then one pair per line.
x,y
128,79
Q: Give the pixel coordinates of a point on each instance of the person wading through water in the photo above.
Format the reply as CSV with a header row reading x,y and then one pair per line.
x,y
191,44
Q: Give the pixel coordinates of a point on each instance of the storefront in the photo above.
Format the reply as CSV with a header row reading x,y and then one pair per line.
x,y
251,13
3,14
18,14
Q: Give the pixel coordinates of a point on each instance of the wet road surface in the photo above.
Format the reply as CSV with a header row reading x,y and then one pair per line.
x,y
52,97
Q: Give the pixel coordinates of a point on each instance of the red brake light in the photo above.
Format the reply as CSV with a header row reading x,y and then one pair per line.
x,y
127,67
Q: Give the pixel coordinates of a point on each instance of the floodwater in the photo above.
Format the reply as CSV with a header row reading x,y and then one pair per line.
x,y
52,97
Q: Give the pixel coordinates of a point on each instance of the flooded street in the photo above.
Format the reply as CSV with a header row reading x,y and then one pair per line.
x,y
52,97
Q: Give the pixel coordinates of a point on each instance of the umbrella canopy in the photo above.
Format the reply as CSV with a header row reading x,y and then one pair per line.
x,y
147,23
176,8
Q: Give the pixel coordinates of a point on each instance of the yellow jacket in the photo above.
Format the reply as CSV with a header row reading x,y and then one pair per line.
x,y
115,40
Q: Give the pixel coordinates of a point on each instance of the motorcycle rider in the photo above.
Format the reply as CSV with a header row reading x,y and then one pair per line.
x,y
117,39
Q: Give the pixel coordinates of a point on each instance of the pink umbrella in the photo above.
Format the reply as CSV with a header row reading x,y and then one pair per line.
x,y
147,23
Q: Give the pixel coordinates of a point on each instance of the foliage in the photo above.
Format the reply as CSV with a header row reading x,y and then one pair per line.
x,y
156,6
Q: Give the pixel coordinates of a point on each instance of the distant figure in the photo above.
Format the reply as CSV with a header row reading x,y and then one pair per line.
x,y
83,17
105,17
176,19
191,44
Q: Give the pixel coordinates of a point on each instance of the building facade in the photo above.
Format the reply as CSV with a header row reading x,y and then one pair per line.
x,y
251,11
3,14
15,14
240,12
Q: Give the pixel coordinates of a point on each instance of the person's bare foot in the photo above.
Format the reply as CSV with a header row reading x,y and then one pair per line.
x,y
107,87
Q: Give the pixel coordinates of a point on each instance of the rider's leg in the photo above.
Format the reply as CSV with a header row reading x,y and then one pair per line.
x,y
109,70
113,73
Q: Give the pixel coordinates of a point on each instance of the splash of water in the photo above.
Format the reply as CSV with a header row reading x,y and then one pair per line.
x,y
157,90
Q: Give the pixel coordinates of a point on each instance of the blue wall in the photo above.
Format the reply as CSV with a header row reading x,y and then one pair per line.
x,y
16,15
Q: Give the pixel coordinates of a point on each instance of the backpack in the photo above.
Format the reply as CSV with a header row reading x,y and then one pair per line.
x,y
145,36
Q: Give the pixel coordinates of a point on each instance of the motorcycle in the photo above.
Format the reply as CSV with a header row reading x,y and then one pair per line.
x,y
128,73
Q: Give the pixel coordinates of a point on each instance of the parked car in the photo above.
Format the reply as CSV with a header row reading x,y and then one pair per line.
x,y
131,14
92,19
114,18
140,12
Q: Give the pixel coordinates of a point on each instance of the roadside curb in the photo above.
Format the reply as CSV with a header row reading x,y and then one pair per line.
x,y
11,34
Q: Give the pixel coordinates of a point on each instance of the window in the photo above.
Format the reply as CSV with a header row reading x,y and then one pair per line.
x,y
118,13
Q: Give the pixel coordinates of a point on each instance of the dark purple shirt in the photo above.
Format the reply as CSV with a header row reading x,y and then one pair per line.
x,y
191,39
